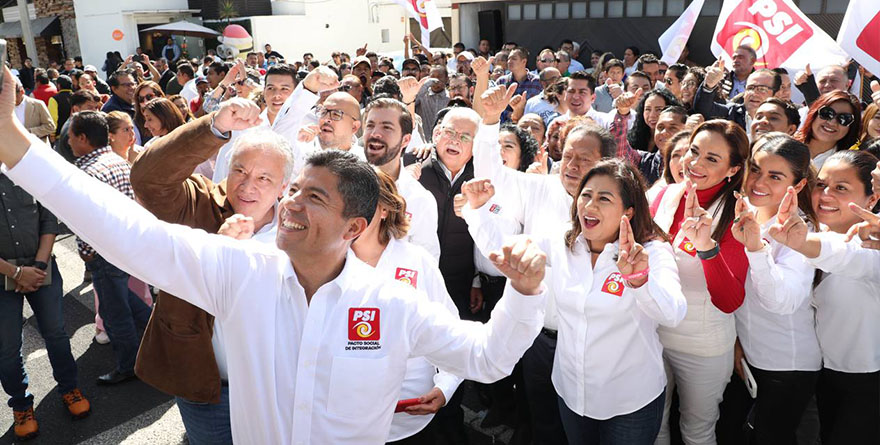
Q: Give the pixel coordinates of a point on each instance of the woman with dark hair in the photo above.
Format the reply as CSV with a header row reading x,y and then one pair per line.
x,y
143,93
833,123
870,123
845,297
689,84
180,102
712,265
518,147
383,246
641,135
160,118
775,324
615,280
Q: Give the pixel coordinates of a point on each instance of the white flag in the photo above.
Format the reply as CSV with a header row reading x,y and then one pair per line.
x,y
780,33
860,33
674,39
425,12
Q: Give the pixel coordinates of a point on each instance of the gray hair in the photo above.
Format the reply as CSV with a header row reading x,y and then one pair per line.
x,y
462,112
265,138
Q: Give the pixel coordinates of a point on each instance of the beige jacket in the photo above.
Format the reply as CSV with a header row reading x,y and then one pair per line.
x,y
37,119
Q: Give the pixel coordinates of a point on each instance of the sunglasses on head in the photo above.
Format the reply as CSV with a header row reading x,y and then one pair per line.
x,y
827,113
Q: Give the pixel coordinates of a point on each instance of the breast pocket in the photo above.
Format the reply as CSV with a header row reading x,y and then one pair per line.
x,y
359,385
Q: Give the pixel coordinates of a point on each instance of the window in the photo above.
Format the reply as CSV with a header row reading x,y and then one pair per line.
x,y
835,6
654,8
579,10
561,11
674,7
545,11
711,7
597,9
615,8
514,12
810,6
634,8
530,12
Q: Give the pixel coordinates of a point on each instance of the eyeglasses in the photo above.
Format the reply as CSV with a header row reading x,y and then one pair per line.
x,y
146,98
760,89
456,136
126,84
335,115
547,60
827,113
669,81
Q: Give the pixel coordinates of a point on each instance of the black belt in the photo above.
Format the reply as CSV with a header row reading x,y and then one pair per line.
x,y
491,279
549,332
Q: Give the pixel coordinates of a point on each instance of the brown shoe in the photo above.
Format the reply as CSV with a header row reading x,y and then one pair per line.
x,y
25,424
77,404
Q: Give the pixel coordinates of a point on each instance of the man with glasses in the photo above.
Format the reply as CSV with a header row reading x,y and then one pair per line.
x,y
546,59
462,86
760,85
526,82
339,119
432,97
122,86
539,104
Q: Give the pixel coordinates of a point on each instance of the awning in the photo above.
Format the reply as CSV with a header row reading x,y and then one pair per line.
x,y
43,26
184,28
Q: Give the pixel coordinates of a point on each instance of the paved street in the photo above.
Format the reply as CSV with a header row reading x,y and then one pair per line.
x,y
133,412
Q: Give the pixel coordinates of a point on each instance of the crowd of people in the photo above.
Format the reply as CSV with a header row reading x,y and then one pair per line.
x,y
627,253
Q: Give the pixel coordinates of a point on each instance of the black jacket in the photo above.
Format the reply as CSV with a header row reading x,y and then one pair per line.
x,y
705,104
456,244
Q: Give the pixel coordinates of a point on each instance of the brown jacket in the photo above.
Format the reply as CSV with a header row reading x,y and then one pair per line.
x,y
176,355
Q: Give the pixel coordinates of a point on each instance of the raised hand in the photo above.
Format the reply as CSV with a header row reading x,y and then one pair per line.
x,y
518,102
875,91
745,227
626,101
237,114
477,192
480,66
361,51
802,76
868,230
237,227
697,225
495,101
429,403
410,87
613,89
693,121
523,263
714,73
539,167
307,133
789,229
632,261
321,79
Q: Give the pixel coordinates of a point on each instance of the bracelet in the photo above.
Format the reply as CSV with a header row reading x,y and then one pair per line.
x,y
17,273
709,254
635,275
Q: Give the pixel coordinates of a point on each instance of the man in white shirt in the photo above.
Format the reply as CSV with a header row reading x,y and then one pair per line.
x,y
388,126
339,119
317,344
186,77
579,97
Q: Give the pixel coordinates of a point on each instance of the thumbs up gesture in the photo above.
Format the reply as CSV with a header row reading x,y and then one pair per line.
x,y
875,92
714,74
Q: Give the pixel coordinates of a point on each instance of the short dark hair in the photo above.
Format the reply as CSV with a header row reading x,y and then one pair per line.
x,y
93,124
219,68
387,85
646,59
522,51
64,82
282,69
635,50
679,70
639,74
187,69
749,49
406,119
81,97
459,45
113,79
40,76
777,80
528,146
357,182
781,71
612,63
790,110
583,75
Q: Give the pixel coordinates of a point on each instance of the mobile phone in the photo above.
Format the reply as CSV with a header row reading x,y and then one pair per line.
x,y
404,404
2,61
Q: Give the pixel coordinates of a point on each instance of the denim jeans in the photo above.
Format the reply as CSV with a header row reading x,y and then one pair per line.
x,y
123,312
636,428
207,423
47,305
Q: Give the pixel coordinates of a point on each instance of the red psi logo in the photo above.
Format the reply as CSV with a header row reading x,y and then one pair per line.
x,y
771,27
407,276
613,284
363,323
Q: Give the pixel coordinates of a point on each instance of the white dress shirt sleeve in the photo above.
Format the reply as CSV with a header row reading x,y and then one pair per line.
x,y
661,297
183,261
424,232
781,284
291,114
476,351
848,259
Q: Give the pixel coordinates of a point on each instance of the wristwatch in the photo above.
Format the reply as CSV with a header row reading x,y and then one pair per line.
x,y
41,265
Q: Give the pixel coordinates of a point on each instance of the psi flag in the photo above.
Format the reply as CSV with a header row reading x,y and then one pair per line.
x,y
425,12
860,33
673,40
780,33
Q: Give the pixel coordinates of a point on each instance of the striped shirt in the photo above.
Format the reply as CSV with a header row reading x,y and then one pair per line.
x,y
106,166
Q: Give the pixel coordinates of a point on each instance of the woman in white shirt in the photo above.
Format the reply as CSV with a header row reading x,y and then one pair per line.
x,y
847,298
833,123
615,278
775,323
383,245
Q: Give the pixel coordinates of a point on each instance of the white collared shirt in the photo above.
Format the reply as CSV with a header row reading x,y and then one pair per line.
x,y
421,210
775,323
189,91
608,358
20,111
848,304
322,371
413,265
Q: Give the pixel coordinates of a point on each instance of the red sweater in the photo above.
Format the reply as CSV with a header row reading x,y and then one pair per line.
x,y
726,272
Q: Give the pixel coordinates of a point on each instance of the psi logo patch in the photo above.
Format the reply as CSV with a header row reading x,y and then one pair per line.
x,y
407,276
495,208
613,284
363,324
688,247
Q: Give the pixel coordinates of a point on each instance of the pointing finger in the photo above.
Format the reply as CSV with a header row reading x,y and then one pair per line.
x,y
864,214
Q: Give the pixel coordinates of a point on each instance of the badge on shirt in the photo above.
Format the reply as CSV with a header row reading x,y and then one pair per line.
x,y
495,208
363,324
407,276
613,284
409,216
688,247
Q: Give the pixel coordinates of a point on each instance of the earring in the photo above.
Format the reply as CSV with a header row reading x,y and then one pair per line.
x,y
728,179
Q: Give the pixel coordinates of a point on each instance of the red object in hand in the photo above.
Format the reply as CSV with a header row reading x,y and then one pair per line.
x,y
404,404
